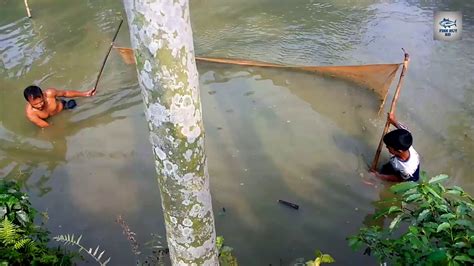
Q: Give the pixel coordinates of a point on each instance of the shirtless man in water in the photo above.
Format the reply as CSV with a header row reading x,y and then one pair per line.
x,y
42,105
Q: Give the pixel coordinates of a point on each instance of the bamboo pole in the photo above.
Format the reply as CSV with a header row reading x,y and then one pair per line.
x,y
107,56
27,9
392,110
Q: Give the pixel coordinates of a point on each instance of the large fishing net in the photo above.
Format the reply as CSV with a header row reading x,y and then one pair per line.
x,y
375,77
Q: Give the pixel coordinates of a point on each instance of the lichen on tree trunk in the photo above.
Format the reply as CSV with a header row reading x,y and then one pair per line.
x,y
161,35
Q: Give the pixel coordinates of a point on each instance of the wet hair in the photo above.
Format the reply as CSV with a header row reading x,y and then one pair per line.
x,y
32,92
398,139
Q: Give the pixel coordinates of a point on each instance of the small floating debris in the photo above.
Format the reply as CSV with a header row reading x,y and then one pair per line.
x,y
289,204
222,213
211,92
241,184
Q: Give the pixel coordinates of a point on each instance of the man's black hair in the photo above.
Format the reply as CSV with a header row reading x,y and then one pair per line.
x,y
32,92
399,139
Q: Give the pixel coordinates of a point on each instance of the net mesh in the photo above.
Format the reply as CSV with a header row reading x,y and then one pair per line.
x,y
376,77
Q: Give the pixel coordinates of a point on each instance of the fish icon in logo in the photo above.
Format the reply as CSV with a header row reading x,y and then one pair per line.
x,y
447,23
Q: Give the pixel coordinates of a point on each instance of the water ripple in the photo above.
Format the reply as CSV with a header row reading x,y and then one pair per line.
x,y
20,47
321,33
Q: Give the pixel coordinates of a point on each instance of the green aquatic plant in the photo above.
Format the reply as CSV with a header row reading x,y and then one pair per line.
x,y
431,225
71,240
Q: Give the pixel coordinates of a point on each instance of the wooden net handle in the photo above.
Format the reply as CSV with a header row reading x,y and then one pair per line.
x,y
393,106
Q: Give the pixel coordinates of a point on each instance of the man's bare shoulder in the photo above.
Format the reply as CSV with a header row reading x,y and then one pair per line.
x,y
28,108
51,92
30,113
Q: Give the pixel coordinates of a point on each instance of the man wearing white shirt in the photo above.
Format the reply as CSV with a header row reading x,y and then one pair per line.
x,y
404,165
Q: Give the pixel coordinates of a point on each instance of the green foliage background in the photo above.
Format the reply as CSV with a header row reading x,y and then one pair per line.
x,y
21,241
431,225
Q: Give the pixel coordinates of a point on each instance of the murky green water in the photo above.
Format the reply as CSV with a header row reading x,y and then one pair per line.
x,y
270,134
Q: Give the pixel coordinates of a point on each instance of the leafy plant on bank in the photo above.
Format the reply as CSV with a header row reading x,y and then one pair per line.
x,y
432,225
320,259
225,253
21,241
71,240
14,205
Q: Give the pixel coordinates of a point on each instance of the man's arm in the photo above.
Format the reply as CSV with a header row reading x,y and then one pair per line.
x,y
69,93
390,178
38,121
395,123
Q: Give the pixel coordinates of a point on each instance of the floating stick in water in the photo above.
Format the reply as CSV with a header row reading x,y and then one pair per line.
x,y
289,204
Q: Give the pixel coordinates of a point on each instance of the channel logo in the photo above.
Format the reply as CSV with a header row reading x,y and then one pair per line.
x,y
447,26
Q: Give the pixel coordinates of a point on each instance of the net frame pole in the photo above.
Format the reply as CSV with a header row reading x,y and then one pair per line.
x,y
27,9
393,107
